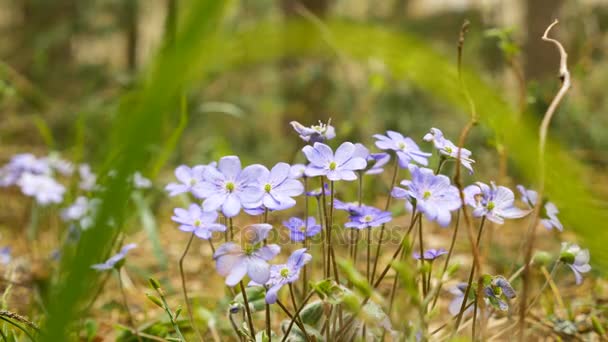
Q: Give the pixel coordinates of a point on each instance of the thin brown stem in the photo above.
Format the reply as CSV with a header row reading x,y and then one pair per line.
x,y
297,314
386,207
543,131
247,309
185,291
126,305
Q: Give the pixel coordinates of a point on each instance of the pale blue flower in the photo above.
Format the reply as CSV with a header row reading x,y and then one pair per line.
x,y
278,188
315,133
339,166
197,221
550,219
576,258
368,217
187,178
300,230
229,188
234,261
433,195
449,149
284,274
405,148
43,188
88,179
496,203
430,254
114,260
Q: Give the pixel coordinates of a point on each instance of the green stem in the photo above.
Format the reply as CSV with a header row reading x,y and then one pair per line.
x,y
327,236
421,245
447,259
185,291
323,247
305,269
386,207
126,305
470,281
295,306
247,310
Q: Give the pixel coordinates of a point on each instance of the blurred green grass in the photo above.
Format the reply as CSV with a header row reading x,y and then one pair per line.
x,y
204,48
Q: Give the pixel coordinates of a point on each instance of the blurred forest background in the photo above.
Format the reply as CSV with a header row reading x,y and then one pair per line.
x,y
88,77
65,61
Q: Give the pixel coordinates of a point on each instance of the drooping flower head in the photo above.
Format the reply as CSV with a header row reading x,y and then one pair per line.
x,y
368,217
375,161
433,195
115,261
351,207
449,149
315,133
195,220
234,261
430,254
576,258
285,273
45,189
496,203
278,188
339,166
318,193
299,230
549,216
187,178
497,291
405,148
229,188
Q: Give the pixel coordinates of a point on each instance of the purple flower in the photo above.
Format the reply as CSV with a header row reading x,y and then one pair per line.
x,y
576,258
496,203
187,177
230,188
406,148
278,188
62,166
42,187
352,207
77,210
297,171
430,254
195,220
449,149
433,194
300,230
234,262
5,255
317,192
368,217
87,178
313,134
114,260
341,166
379,160
141,182
285,273
458,293
21,164
550,219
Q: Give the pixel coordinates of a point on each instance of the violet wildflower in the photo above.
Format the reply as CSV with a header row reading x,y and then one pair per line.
x,y
576,258
62,166
368,217
141,182
5,255
458,292
351,207
116,260
497,291
430,254
87,178
278,188
300,230
21,164
317,192
77,210
315,133
375,161
339,166
285,274
43,188
234,261
187,178
197,221
297,171
448,149
550,219
433,194
229,188
496,203
406,149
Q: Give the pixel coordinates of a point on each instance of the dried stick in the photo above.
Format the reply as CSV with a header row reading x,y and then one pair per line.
x,y
564,75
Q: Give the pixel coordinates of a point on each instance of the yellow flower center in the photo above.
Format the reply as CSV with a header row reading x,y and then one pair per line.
x,y
230,186
332,166
267,187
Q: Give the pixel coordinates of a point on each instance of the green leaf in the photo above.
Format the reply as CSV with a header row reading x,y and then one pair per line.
x,y
256,296
311,313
